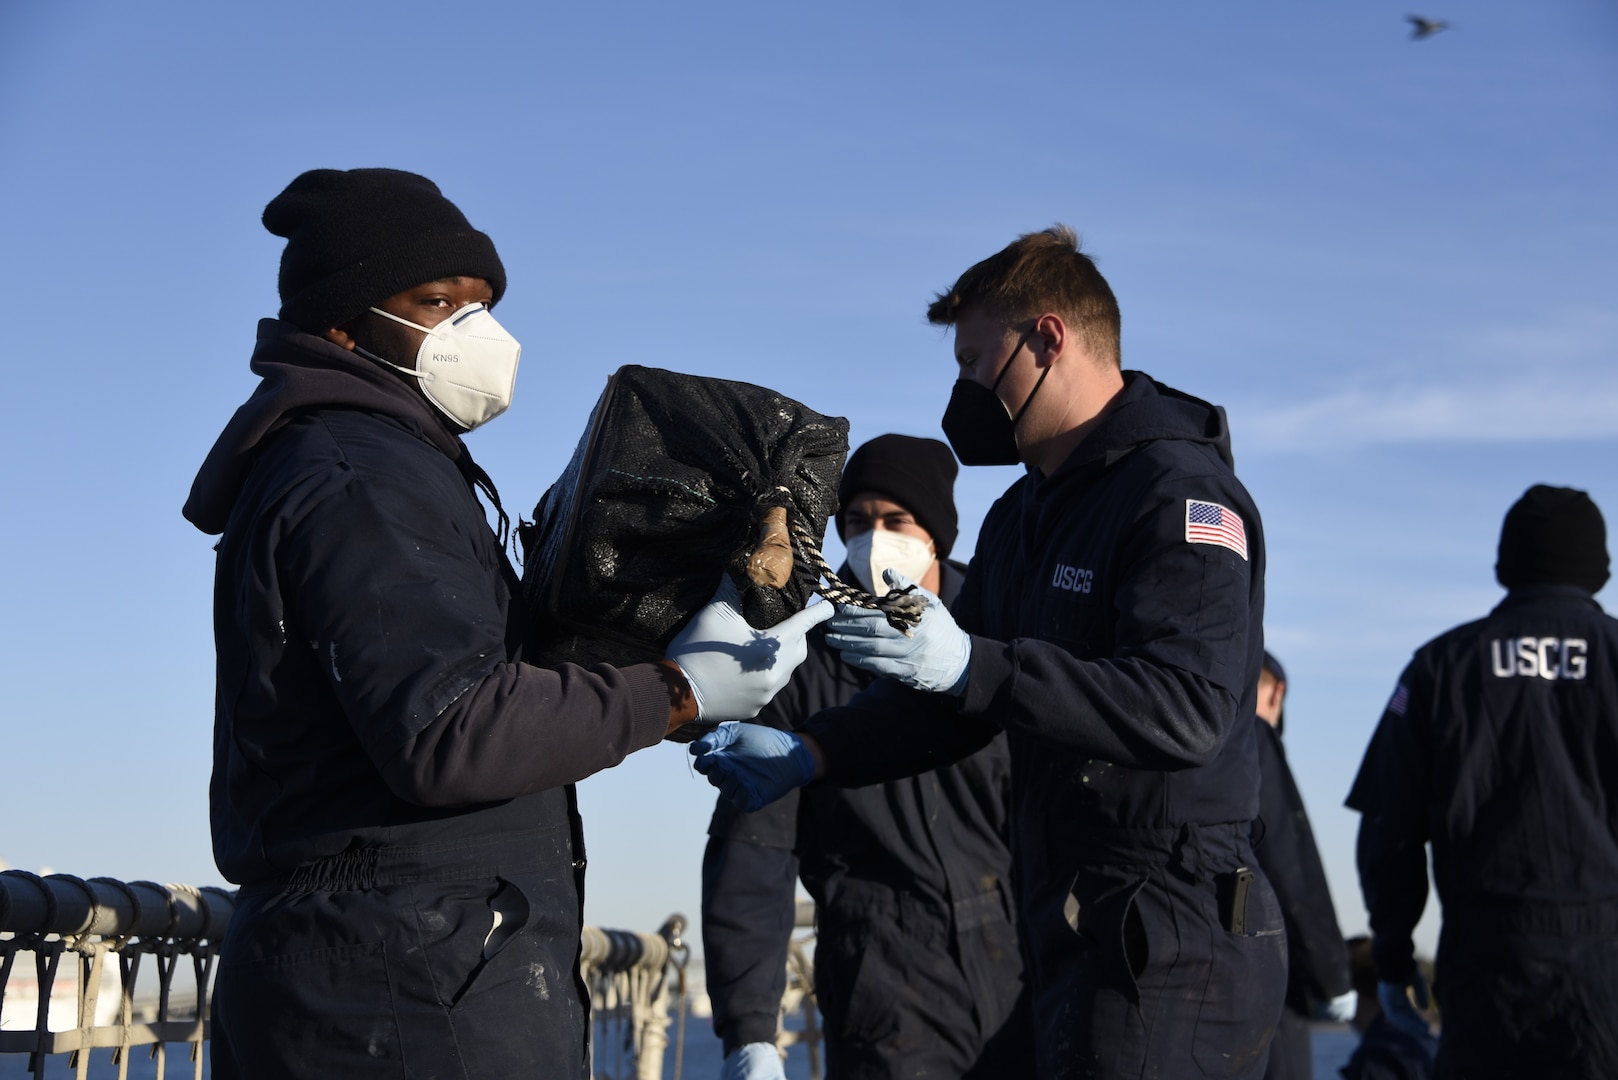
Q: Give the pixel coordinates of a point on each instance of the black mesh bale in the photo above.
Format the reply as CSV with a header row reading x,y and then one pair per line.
x,y
668,489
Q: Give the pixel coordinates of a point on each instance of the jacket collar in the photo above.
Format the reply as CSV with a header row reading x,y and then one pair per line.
x,y
1525,595
1146,410
299,371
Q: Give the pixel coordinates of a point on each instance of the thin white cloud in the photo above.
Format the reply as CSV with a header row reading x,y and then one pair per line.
x,y
1556,381
1510,410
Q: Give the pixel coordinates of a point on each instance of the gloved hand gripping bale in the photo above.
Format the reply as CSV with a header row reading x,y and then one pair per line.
x,y
902,605
930,654
732,669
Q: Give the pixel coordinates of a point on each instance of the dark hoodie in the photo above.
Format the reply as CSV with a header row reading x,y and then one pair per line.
x,y
1119,650
362,617
912,882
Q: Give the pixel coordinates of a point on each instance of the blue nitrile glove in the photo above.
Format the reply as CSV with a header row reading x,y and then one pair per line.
x,y
932,657
1342,1007
753,765
1405,1004
733,669
755,1061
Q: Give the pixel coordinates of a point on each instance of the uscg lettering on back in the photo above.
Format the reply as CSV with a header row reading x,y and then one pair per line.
x,y
1540,657
1072,579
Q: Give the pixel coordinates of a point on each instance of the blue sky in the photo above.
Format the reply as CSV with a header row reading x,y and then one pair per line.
x,y
1393,261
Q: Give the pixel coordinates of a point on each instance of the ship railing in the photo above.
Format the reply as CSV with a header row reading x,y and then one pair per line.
x,y
632,978
799,997
88,925
94,938
636,979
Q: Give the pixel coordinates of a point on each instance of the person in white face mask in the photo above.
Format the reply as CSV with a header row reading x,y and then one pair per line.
x,y
391,786
882,534
917,967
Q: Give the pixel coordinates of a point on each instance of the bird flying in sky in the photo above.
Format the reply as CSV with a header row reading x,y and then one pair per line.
x,y
1422,27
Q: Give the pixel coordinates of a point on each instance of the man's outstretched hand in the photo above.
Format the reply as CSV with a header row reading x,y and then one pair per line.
x,y
753,765
733,669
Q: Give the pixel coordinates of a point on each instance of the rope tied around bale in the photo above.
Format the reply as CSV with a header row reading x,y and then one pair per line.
x,y
902,607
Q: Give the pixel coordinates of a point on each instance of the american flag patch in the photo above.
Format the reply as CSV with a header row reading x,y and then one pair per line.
x,y
1210,523
1400,701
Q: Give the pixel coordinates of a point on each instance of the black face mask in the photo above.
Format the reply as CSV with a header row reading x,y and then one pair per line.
x,y
976,423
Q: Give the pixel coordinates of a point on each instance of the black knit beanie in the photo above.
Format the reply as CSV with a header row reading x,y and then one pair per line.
x,y
1553,536
356,238
918,474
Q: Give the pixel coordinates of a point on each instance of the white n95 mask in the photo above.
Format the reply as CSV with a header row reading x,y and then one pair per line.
x,y
872,552
467,365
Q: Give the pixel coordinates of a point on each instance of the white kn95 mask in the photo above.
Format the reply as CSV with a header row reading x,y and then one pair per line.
x,y
467,365
872,552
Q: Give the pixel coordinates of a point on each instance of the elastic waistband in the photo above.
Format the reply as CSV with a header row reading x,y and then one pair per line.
x,y
470,859
1196,850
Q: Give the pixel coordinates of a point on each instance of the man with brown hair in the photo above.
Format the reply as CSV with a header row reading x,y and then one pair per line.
x,y
1110,624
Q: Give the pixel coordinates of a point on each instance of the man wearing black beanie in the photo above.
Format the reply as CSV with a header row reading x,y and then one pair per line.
x,y
1499,748
392,790
917,965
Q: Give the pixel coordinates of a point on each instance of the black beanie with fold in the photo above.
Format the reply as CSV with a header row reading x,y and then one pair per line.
x,y
1553,536
918,474
356,237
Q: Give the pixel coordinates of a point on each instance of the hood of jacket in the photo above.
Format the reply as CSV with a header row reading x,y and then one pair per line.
x,y
1145,411
299,371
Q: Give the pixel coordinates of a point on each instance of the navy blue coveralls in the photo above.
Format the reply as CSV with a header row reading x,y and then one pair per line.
x,y
386,777
917,966
1116,609
1500,749
1317,957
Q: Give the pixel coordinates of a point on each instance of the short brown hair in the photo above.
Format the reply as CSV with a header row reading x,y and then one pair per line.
x,y
1038,272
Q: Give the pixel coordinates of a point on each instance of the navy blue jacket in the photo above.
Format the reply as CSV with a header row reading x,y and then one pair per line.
x,y
367,691
1499,747
384,765
935,845
1114,642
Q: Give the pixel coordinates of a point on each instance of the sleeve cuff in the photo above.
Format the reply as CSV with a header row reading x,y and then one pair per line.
x,y
742,1030
803,759
649,705
1394,960
990,673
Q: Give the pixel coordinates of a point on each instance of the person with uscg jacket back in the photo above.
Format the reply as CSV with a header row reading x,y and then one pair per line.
x,y
391,785
1110,624
1499,748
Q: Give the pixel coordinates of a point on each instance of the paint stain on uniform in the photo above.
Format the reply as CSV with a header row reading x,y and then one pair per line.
x,y
536,979
332,654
